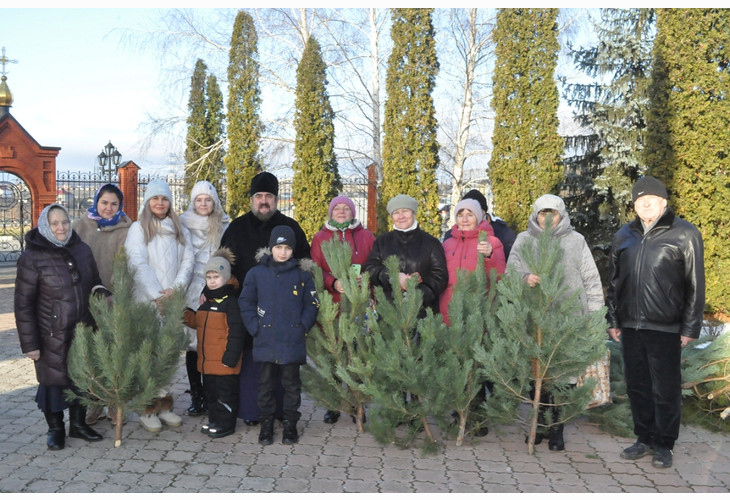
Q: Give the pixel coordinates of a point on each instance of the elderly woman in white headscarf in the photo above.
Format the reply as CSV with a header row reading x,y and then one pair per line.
x,y
206,221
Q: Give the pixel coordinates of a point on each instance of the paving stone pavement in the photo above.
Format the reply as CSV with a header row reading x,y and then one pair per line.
x,y
328,458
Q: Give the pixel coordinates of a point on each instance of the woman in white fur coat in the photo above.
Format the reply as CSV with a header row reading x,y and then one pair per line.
x,y
159,251
206,221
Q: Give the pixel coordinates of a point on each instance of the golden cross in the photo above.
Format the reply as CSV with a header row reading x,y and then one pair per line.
x,y
4,60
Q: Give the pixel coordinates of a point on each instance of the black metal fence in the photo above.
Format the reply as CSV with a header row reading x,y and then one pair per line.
x,y
76,192
15,216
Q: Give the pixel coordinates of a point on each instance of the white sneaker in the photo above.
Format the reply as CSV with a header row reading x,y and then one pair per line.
x,y
169,418
150,422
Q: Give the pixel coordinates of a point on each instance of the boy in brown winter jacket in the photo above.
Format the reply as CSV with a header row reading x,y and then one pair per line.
x,y
220,345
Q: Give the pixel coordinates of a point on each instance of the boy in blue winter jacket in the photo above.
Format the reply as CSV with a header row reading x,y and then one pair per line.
x,y
279,306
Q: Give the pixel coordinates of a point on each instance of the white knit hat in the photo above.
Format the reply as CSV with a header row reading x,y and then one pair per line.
x,y
157,187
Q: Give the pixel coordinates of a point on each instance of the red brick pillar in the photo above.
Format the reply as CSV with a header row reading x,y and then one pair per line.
x,y
372,200
128,184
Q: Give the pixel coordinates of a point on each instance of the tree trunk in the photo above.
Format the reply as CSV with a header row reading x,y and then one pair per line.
x,y
467,105
462,428
375,97
360,419
537,377
118,429
536,412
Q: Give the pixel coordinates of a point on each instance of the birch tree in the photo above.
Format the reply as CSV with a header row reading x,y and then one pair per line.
x,y
468,49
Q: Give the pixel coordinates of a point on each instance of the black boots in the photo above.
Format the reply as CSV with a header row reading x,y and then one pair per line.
x,y
331,416
77,427
555,438
77,424
290,434
198,405
56,430
266,434
555,431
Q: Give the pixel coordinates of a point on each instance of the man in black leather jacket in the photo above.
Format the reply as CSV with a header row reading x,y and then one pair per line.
x,y
655,300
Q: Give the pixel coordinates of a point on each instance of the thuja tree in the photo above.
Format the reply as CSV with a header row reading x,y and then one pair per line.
x,y
195,140
213,169
204,139
316,177
541,339
132,353
526,159
410,148
340,370
688,130
603,163
242,160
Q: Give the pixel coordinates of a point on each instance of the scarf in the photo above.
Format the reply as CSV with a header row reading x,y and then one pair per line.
x,y
342,226
44,227
414,226
94,215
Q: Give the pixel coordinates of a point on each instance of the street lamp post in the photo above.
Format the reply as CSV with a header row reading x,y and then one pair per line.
x,y
109,160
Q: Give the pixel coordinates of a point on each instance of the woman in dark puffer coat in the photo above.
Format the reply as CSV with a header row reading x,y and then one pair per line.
x,y
421,256
56,275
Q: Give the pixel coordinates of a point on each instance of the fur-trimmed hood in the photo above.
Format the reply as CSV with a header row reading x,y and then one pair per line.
x,y
304,264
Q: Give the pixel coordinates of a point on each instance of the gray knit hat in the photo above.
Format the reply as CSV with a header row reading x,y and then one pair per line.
x,y
471,205
402,201
220,263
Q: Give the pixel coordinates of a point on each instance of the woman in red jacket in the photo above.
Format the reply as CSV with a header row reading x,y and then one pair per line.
x,y
464,249
342,224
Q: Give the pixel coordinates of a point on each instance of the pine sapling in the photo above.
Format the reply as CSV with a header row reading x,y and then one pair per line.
x,y
340,369
396,354
132,352
706,376
541,339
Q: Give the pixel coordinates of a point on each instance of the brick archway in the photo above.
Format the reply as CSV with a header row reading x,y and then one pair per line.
x,y
22,156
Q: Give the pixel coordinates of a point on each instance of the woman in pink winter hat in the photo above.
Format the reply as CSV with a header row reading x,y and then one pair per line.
x,y
464,248
344,225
